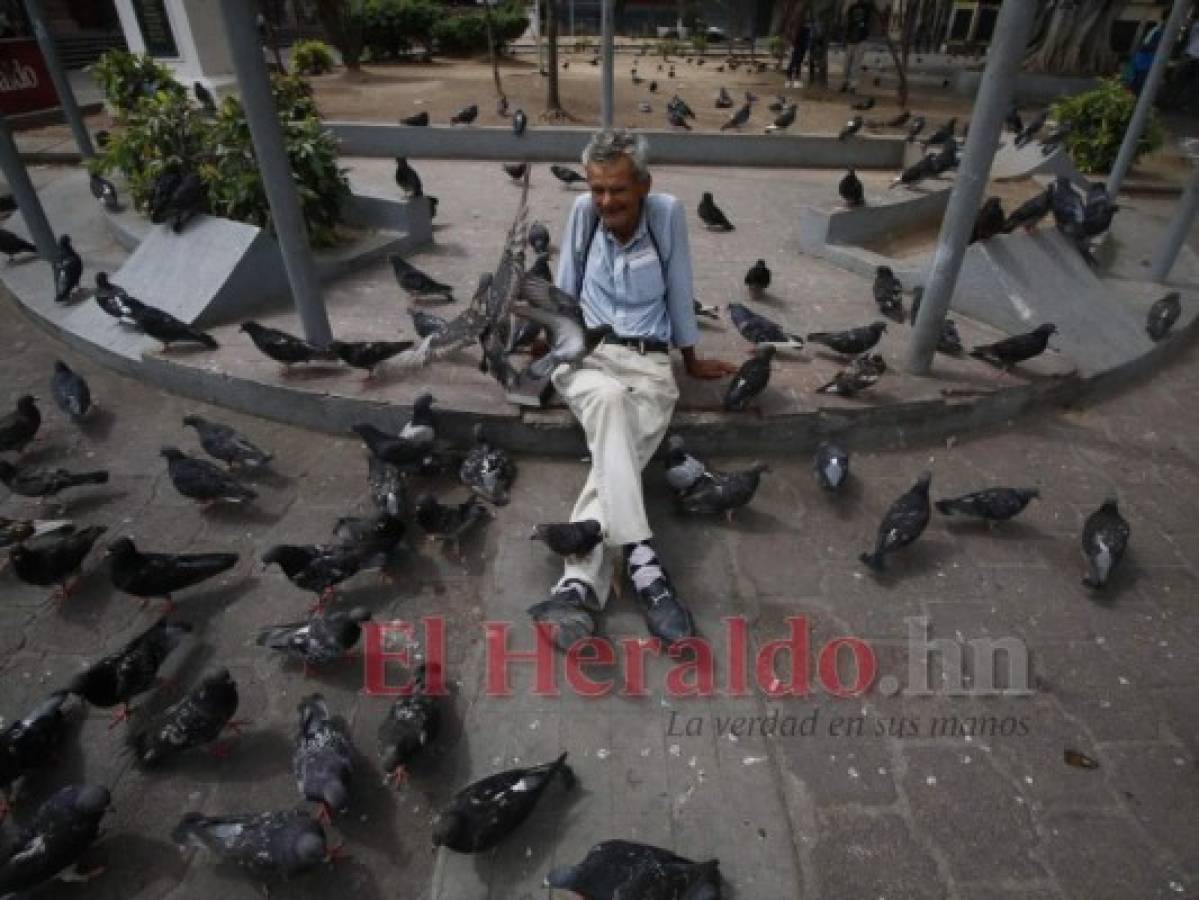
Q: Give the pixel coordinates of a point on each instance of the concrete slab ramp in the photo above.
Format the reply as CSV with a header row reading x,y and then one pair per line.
x,y
1012,163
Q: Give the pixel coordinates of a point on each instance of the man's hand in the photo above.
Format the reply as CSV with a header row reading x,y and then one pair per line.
x,y
706,368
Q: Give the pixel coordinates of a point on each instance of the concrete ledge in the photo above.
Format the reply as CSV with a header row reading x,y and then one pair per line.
x,y
566,145
882,215
1030,88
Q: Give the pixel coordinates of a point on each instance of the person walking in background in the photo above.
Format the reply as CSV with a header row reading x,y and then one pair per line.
x,y
799,49
857,29
1142,60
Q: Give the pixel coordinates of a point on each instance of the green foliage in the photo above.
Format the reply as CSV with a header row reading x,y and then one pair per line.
x,y
466,34
126,78
312,57
165,133
670,47
393,27
699,41
777,46
1098,119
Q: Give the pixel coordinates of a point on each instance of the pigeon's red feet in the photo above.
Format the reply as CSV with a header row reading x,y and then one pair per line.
x,y
121,715
397,776
236,725
336,853
322,814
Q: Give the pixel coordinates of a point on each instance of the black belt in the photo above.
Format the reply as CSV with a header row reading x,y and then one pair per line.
x,y
641,345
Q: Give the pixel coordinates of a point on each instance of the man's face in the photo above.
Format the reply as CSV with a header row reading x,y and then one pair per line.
x,y
617,194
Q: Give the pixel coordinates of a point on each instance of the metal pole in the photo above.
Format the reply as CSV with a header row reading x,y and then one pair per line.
x,y
267,136
1136,126
62,85
608,29
540,56
1012,31
25,195
1184,218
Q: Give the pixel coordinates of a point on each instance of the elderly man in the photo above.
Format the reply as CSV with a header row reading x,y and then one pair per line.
x,y
625,255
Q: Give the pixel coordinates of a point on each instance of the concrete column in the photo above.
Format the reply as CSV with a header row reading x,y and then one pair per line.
x,y
1012,31
25,195
1140,115
62,85
608,21
203,54
290,231
1180,225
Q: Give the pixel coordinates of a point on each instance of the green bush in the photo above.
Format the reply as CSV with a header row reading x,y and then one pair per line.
x,y
670,47
393,27
466,34
126,78
777,46
699,41
312,57
165,133
1098,119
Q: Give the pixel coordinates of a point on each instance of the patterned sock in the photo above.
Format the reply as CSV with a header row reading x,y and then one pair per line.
x,y
642,561
577,591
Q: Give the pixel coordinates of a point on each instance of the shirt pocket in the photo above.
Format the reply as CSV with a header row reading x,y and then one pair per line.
x,y
645,279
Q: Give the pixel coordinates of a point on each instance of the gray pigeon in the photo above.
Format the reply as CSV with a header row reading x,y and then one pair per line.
x,y
570,539
751,379
831,466
682,469
229,446
416,284
60,831
449,523
410,726
488,470
722,492
993,504
570,339
200,480
1104,540
407,179
280,844
323,760
68,269
739,118
321,640
70,392
757,329
196,720
783,120
903,523
106,192
623,870
1163,314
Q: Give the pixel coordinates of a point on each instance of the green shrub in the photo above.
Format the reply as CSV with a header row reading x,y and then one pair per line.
x,y
466,34
312,57
1098,119
699,41
393,27
777,46
670,47
126,78
165,133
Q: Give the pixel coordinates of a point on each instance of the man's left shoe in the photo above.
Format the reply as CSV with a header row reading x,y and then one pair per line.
x,y
665,614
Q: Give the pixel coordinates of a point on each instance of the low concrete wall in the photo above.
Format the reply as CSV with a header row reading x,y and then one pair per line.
x,y
899,211
1030,88
565,145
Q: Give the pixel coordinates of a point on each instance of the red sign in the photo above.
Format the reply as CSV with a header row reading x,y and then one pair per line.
x,y
25,84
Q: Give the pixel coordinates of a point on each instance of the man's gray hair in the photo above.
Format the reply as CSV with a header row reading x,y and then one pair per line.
x,y
608,146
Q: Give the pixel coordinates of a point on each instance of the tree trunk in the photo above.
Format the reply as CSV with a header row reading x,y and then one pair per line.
x,y
1072,38
343,25
553,103
495,66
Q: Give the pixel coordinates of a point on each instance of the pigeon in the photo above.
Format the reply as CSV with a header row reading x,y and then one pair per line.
x,y
539,237
573,539
903,523
421,429
466,115
914,128
314,567
283,844
751,379
160,195
831,465
1013,121
115,300
11,244
899,120
757,329
942,134
1016,349
30,742
368,355
323,760
188,200
416,284
1068,208
682,469
722,492
990,221
706,312
863,372
925,167
1104,540
283,347
204,96
20,426
229,446
852,341
677,119
130,671
1030,212
68,269
323,639
167,330
410,726
387,487
70,392
864,105
407,179
567,176
516,171
757,279
992,504
519,122
159,575
200,480
737,119
851,190
483,813
60,831
417,120
778,104
644,107
54,559
198,719
711,215
30,481
626,869
723,100
653,87
487,470
678,104
450,524
888,293
946,159
106,192
373,539
1163,314
852,127
17,531
949,340
1035,124
426,323
1098,210
1056,138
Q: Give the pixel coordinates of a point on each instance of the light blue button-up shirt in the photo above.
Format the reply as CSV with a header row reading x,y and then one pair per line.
x,y
623,286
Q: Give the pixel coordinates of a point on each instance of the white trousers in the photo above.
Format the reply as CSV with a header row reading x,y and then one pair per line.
x,y
853,63
624,400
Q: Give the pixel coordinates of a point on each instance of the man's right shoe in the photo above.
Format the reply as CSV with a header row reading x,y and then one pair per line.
x,y
665,614
569,607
